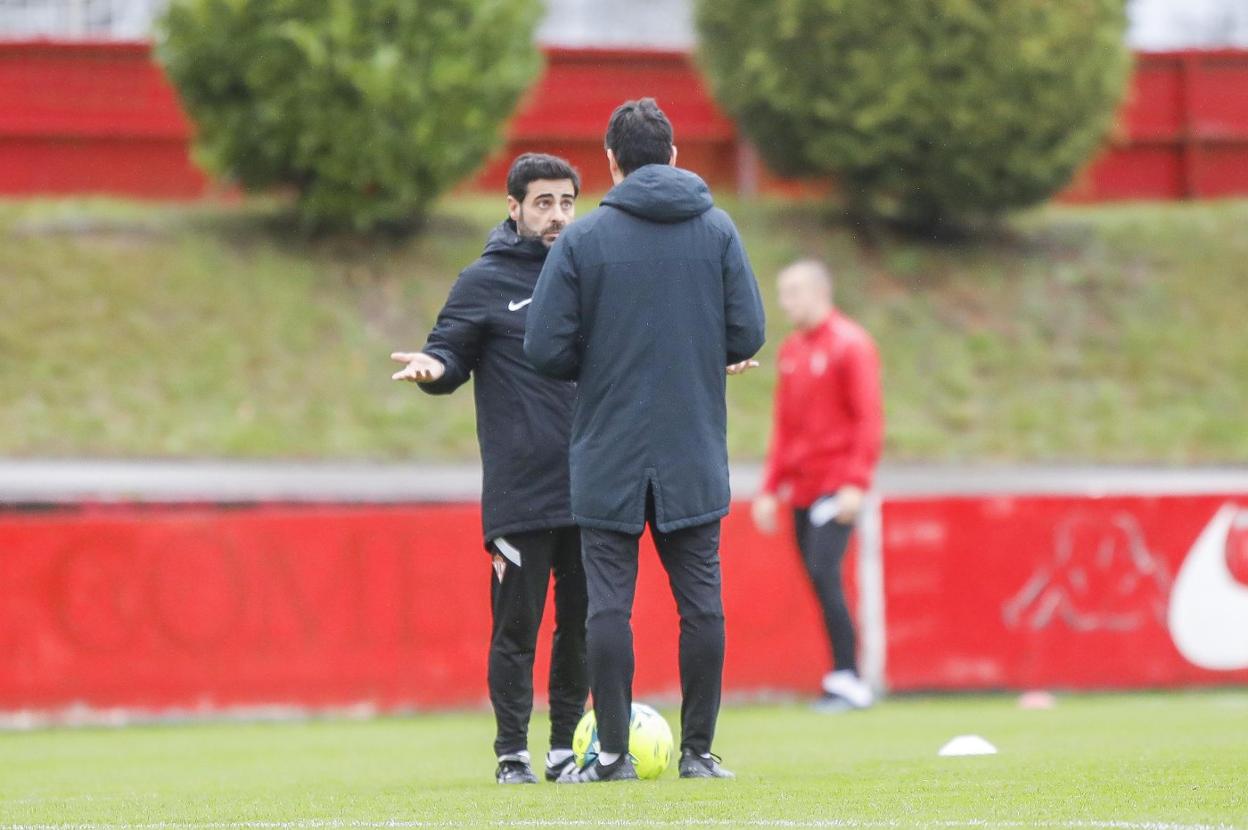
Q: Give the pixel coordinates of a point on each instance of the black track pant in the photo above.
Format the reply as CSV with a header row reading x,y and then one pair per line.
x,y
823,550
691,558
519,597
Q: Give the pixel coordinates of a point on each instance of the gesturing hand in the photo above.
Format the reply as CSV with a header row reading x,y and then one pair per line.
x,y
421,368
742,367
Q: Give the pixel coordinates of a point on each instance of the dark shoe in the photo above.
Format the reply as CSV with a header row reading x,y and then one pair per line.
x,y
621,770
555,771
830,704
514,769
693,765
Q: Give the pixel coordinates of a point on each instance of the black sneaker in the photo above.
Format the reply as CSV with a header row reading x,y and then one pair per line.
x,y
555,771
514,769
621,770
693,765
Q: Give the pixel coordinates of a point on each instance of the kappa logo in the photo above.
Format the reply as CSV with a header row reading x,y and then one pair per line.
x,y
516,306
1103,576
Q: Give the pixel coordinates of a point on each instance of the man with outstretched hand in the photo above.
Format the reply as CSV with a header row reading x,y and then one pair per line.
x,y
643,303
523,425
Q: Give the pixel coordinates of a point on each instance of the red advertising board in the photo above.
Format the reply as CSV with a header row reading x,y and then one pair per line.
x,y
1081,593
209,607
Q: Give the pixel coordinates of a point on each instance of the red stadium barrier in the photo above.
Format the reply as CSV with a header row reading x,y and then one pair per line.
x,y
1006,592
209,607
91,118
1183,132
567,110
101,118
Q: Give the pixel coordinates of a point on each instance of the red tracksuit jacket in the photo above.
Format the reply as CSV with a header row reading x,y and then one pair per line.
x,y
829,419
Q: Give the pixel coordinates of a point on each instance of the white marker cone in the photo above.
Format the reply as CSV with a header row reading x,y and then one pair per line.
x,y
967,745
1036,699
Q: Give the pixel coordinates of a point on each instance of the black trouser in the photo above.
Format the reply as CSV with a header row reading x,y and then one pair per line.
x,y
691,559
519,598
823,550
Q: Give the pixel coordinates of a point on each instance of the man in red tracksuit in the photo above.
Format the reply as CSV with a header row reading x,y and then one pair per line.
x,y
825,443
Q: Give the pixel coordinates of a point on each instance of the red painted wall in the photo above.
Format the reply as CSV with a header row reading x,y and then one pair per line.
x,y
1182,134
567,110
85,118
91,118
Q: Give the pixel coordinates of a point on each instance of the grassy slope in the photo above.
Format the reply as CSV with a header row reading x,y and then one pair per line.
x,y
1146,758
1109,333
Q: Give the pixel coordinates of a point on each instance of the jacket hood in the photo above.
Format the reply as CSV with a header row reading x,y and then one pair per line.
x,y
661,193
505,240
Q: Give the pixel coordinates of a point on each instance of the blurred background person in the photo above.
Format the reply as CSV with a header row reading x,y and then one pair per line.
x,y
826,433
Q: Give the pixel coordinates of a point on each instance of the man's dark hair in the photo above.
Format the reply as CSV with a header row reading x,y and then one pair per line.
x,y
639,134
529,167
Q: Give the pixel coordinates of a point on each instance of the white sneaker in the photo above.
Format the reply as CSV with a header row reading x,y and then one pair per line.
x,y
848,686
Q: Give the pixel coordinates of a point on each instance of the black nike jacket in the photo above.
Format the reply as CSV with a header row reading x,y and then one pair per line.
x,y
524,419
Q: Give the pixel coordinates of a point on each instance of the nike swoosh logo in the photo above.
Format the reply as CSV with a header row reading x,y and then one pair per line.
x,y
1208,601
519,305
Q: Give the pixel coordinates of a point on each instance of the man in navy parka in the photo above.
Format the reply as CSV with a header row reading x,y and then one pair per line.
x,y
644,303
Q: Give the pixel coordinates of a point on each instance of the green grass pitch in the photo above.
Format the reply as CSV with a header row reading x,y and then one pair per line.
x,y
1118,762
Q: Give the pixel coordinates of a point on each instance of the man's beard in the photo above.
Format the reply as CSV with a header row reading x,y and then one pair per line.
x,y
526,232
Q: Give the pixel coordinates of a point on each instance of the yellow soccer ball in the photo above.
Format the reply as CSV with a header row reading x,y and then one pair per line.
x,y
649,741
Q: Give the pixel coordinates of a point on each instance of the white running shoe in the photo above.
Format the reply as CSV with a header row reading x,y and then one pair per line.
x,y
848,686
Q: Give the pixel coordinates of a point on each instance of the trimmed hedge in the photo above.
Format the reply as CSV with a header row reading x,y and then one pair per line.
x,y
927,111
368,109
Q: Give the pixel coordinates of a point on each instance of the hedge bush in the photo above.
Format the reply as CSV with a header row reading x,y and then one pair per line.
x,y
368,109
928,111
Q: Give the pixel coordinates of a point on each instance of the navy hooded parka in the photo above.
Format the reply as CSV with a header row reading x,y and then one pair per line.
x,y
644,302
